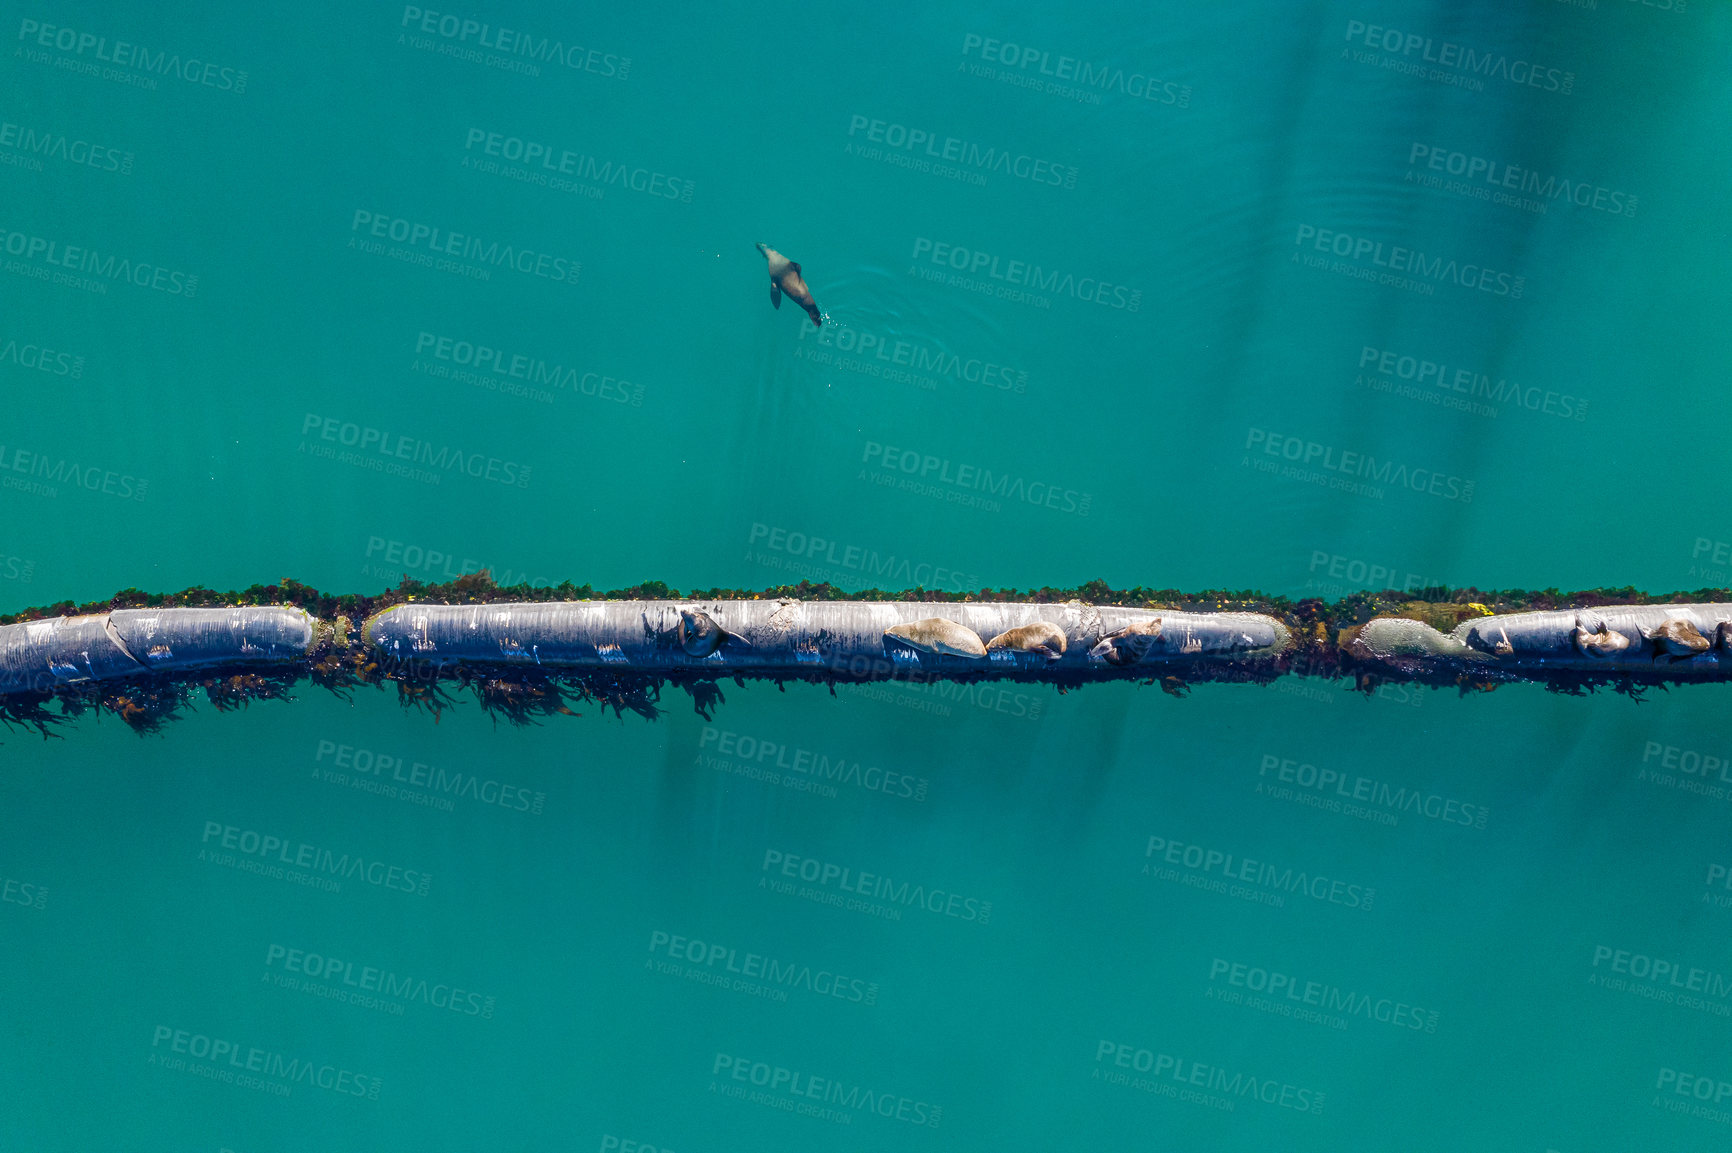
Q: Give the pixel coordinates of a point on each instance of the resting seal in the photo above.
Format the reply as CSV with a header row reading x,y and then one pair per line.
x,y
785,277
700,635
939,637
1678,639
1128,645
1039,637
1598,642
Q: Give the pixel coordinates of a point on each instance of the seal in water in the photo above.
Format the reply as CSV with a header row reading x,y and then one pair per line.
x,y
1598,641
700,635
1725,634
1039,637
785,277
1128,645
939,637
1678,639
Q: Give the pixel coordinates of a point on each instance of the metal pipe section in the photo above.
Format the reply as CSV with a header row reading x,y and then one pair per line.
x,y
40,656
1684,642
860,640
846,638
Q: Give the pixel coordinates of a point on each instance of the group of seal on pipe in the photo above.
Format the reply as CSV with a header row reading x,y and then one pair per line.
x,y
859,638
1684,640
40,656
855,639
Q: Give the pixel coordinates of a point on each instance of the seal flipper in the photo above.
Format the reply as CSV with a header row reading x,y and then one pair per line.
x,y
737,639
775,295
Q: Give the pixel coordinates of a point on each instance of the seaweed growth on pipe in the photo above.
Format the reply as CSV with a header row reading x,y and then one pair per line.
x,y
529,653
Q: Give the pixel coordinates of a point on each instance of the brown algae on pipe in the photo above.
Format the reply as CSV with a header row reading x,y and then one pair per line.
x,y
531,652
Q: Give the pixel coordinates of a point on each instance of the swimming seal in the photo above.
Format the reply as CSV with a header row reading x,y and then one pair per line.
x,y
1039,637
1128,645
1678,639
939,637
700,635
785,277
1598,641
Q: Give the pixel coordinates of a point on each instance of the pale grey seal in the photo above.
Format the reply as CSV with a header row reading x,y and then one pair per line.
x,y
939,637
1039,637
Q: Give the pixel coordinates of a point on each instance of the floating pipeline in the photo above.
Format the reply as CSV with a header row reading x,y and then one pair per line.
x,y
790,638
529,658
45,655
1675,642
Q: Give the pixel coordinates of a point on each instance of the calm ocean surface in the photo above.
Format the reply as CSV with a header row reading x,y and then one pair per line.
x,y
1304,298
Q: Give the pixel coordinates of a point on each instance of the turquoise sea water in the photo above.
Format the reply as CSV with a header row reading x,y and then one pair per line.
x,y
1310,299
